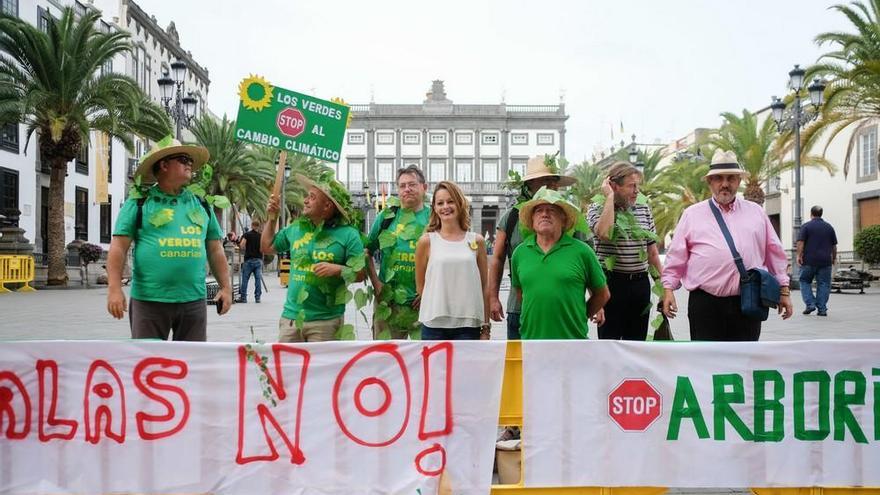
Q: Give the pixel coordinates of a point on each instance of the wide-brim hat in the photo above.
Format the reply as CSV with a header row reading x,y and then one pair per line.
x,y
725,163
325,188
536,168
169,147
549,196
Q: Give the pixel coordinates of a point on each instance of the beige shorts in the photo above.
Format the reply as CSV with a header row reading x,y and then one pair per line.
x,y
312,331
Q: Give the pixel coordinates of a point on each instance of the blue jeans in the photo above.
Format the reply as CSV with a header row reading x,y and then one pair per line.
x,y
822,274
255,266
462,333
513,326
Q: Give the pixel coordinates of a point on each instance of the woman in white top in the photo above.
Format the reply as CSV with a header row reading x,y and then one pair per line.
x,y
451,271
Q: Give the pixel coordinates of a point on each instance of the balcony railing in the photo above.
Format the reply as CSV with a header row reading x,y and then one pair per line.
x,y
471,187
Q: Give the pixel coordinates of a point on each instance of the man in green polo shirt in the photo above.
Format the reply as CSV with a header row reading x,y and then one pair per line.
x,y
174,235
326,254
551,271
394,234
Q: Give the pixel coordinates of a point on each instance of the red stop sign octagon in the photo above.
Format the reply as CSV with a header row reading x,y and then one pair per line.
x,y
291,122
634,404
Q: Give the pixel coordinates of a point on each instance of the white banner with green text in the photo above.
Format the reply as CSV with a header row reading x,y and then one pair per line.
x,y
797,414
329,418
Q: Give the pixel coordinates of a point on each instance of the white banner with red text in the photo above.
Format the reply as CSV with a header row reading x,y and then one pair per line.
x,y
769,414
332,418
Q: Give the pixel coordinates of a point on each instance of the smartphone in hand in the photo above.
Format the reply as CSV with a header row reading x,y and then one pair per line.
x,y
219,305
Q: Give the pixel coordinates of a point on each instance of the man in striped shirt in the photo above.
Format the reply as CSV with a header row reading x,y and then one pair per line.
x,y
625,245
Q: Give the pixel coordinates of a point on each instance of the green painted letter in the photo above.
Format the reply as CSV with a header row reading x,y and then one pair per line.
x,y
822,409
843,417
686,405
773,405
722,399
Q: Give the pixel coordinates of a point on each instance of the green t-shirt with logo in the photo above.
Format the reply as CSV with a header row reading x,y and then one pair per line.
x,y
403,255
170,257
554,286
333,244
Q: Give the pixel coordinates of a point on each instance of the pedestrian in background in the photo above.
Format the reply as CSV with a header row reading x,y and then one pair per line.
x,y
816,253
253,263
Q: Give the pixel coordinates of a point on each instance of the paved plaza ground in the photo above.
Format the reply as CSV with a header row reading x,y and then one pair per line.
x,y
82,314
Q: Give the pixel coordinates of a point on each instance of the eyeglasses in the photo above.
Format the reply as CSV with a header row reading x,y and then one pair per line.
x,y
409,185
183,159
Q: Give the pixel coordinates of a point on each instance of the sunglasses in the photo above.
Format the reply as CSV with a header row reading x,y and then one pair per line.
x,y
184,159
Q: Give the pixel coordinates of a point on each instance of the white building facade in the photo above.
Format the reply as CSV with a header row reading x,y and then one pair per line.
x,y
472,145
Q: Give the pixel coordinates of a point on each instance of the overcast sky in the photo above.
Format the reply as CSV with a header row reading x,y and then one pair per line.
x,y
663,68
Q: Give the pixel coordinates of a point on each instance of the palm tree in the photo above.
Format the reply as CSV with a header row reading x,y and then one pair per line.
x,y
52,82
294,192
589,183
674,188
853,66
757,150
236,173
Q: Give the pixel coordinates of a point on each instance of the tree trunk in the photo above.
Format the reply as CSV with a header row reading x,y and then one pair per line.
x,y
754,192
57,244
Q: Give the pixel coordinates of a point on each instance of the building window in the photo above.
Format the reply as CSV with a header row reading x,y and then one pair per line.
x,y
148,67
8,189
384,138
546,138
107,67
342,172
356,138
82,160
9,137
9,7
490,171
79,9
385,171
438,170
490,138
410,138
437,138
868,152
464,171
81,227
106,221
518,166
43,17
519,138
464,138
355,172
135,65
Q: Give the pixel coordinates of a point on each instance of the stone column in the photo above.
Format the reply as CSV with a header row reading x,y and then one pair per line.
x,y
451,153
398,158
425,164
505,154
371,156
477,214
477,162
562,142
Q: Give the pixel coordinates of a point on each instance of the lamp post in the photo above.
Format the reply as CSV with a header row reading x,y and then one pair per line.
x,y
792,119
179,106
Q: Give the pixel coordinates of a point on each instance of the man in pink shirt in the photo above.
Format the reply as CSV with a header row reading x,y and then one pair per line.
x,y
700,259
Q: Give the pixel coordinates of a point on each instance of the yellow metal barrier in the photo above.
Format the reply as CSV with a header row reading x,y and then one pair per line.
x,y
284,271
16,269
511,414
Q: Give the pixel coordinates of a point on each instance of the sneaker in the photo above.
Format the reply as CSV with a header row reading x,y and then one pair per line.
x,y
810,310
822,313
241,301
257,301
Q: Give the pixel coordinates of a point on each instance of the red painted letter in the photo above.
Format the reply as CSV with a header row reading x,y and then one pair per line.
x,y
109,393
64,429
15,430
266,416
146,382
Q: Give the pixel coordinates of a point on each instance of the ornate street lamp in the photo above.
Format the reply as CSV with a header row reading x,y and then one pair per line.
x,y
633,152
792,118
180,105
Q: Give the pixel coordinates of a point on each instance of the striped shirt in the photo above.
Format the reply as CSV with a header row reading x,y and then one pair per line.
x,y
630,254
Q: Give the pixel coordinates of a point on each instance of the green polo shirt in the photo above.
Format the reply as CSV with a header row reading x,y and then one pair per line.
x,y
403,257
554,286
334,244
169,261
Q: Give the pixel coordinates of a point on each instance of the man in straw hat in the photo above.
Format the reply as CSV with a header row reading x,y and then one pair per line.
x,y
173,230
699,258
625,253
540,172
321,245
551,271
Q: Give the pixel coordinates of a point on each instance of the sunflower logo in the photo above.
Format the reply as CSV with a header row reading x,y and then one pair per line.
x,y
255,93
342,102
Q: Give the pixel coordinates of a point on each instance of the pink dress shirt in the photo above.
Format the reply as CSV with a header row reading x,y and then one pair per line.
x,y
698,257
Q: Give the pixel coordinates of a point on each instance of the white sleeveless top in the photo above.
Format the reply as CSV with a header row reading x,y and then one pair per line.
x,y
453,295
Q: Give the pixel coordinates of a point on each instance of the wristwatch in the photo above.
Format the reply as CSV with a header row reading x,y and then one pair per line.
x,y
784,291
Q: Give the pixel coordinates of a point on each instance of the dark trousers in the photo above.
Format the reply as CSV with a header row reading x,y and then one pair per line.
x,y
156,320
462,333
719,319
627,312
513,326
252,266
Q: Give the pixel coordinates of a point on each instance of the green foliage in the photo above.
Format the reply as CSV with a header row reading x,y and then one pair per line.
x,y
162,217
867,244
90,253
345,332
261,361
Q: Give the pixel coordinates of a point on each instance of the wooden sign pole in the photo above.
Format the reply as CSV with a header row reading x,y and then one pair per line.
x,y
279,182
